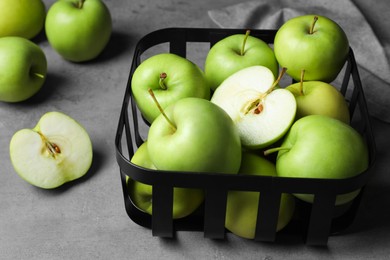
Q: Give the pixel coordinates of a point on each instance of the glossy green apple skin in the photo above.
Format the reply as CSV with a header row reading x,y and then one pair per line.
x,y
20,59
242,206
185,201
33,161
205,139
322,147
225,58
321,54
183,79
319,98
78,34
23,18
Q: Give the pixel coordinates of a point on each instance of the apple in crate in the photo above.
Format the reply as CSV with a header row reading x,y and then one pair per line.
x,y
261,112
314,43
185,201
236,52
242,206
57,150
193,134
319,146
23,68
319,98
171,77
23,18
78,30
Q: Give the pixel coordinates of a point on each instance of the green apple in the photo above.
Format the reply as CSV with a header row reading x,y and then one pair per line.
x,y
312,43
319,146
23,18
319,98
23,68
171,77
234,53
242,206
57,150
78,30
261,112
194,135
185,201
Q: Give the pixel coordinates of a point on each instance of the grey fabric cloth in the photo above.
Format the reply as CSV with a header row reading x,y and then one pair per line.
x,y
372,58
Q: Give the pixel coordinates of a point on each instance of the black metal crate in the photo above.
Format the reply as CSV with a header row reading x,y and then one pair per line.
x,y
314,222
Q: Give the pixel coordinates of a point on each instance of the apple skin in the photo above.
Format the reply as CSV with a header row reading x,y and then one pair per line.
x,y
32,151
23,68
205,138
242,206
22,18
183,79
224,58
319,98
319,146
185,201
78,34
321,54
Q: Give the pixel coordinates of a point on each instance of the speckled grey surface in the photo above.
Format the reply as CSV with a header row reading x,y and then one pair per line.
x,y
87,220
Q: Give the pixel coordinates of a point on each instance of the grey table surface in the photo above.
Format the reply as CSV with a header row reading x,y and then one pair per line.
x,y
87,220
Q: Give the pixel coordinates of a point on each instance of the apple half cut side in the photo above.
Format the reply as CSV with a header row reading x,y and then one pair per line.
x,y
262,112
57,150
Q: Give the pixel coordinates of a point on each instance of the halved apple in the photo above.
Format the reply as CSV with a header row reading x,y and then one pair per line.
x,y
57,150
261,111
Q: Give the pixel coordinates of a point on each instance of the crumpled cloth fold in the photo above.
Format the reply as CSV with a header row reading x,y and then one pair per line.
x,y
372,59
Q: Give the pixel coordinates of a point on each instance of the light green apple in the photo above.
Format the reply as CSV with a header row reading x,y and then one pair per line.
x,y
261,112
23,68
23,18
78,30
185,201
319,98
194,135
236,52
57,150
312,43
171,77
242,206
319,146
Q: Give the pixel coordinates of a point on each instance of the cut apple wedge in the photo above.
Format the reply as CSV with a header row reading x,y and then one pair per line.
x,y
57,150
261,111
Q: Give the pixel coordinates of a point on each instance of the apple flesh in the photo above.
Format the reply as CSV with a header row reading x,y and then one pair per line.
x,y
171,77
23,68
261,112
57,150
234,53
194,135
185,201
314,43
319,146
319,98
242,206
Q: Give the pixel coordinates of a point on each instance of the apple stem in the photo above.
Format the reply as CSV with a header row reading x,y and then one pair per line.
x,y
163,76
244,42
311,31
276,149
161,109
80,4
276,82
39,75
301,83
